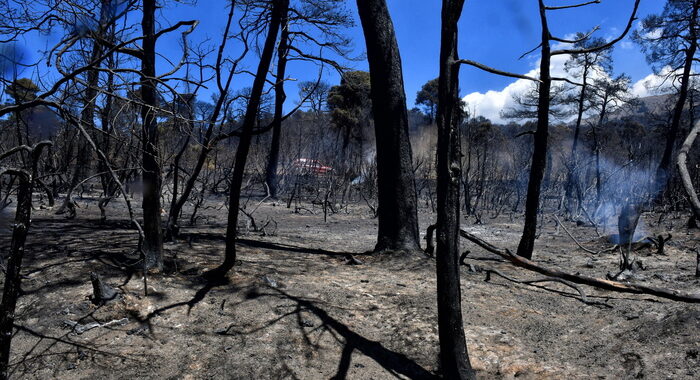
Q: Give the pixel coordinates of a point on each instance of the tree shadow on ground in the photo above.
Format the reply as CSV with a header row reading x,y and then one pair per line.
x,y
219,237
399,365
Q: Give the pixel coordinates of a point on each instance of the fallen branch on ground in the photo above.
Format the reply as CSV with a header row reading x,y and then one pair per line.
x,y
572,236
615,286
570,284
80,328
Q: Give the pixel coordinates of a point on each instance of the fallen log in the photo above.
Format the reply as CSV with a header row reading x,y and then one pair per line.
x,y
616,286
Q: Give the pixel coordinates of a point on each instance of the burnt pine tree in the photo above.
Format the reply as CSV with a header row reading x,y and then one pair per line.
x,y
582,66
397,211
280,97
279,9
87,115
223,83
454,357
671,39
310,26
20,229
606,93
153,234
539,153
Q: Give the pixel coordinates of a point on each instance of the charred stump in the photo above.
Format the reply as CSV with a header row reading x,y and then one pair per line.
x,y
101,292
626,225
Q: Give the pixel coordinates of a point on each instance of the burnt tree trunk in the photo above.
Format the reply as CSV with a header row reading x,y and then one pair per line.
x,y
663,172
539,153
454,357
280,97
153,239
280,8
685,175
12,276
596,151
396,191
572,173
87,115
14,262
172,227
626,225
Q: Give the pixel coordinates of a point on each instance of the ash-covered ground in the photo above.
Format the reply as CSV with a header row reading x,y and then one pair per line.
x,y
297,309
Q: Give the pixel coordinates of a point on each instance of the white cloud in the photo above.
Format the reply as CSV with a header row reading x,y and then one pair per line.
x,y
654,84
491,103
626,45
653,34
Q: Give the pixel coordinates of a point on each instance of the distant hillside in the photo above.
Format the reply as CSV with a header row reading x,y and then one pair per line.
x,y
657,105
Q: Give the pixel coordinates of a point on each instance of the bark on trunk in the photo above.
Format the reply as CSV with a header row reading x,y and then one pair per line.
x,y
397,211
685,175
87,118
596,151
153,239
280,8
539,154
572,174
280,97
454,357
14,262
663,172
626,225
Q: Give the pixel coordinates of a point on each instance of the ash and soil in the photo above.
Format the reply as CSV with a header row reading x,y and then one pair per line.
x,y
295,308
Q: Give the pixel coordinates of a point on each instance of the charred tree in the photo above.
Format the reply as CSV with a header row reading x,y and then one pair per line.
x,y
626,225
675,46
589,64
153,239
279,9
20,229
454,357
540,152
87,115
280,97
209,141
681,162
397,212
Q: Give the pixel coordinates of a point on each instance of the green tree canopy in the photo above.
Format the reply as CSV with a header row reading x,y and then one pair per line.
x,y
22,90
350,105
427,98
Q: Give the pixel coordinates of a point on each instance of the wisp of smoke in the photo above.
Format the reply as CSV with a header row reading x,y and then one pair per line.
x,y
12,55
82,24
7,216
623,184
43,123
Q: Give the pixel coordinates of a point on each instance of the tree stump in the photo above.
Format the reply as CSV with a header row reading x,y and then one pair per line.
x,y
101,292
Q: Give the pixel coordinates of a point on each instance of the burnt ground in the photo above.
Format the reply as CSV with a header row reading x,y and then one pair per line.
x,y
294,308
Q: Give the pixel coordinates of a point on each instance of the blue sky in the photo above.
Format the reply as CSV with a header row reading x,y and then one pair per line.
x,y
494,32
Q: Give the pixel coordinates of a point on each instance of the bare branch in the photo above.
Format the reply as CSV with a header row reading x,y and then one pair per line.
x,y
560,79
495,71
572,6
607,45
